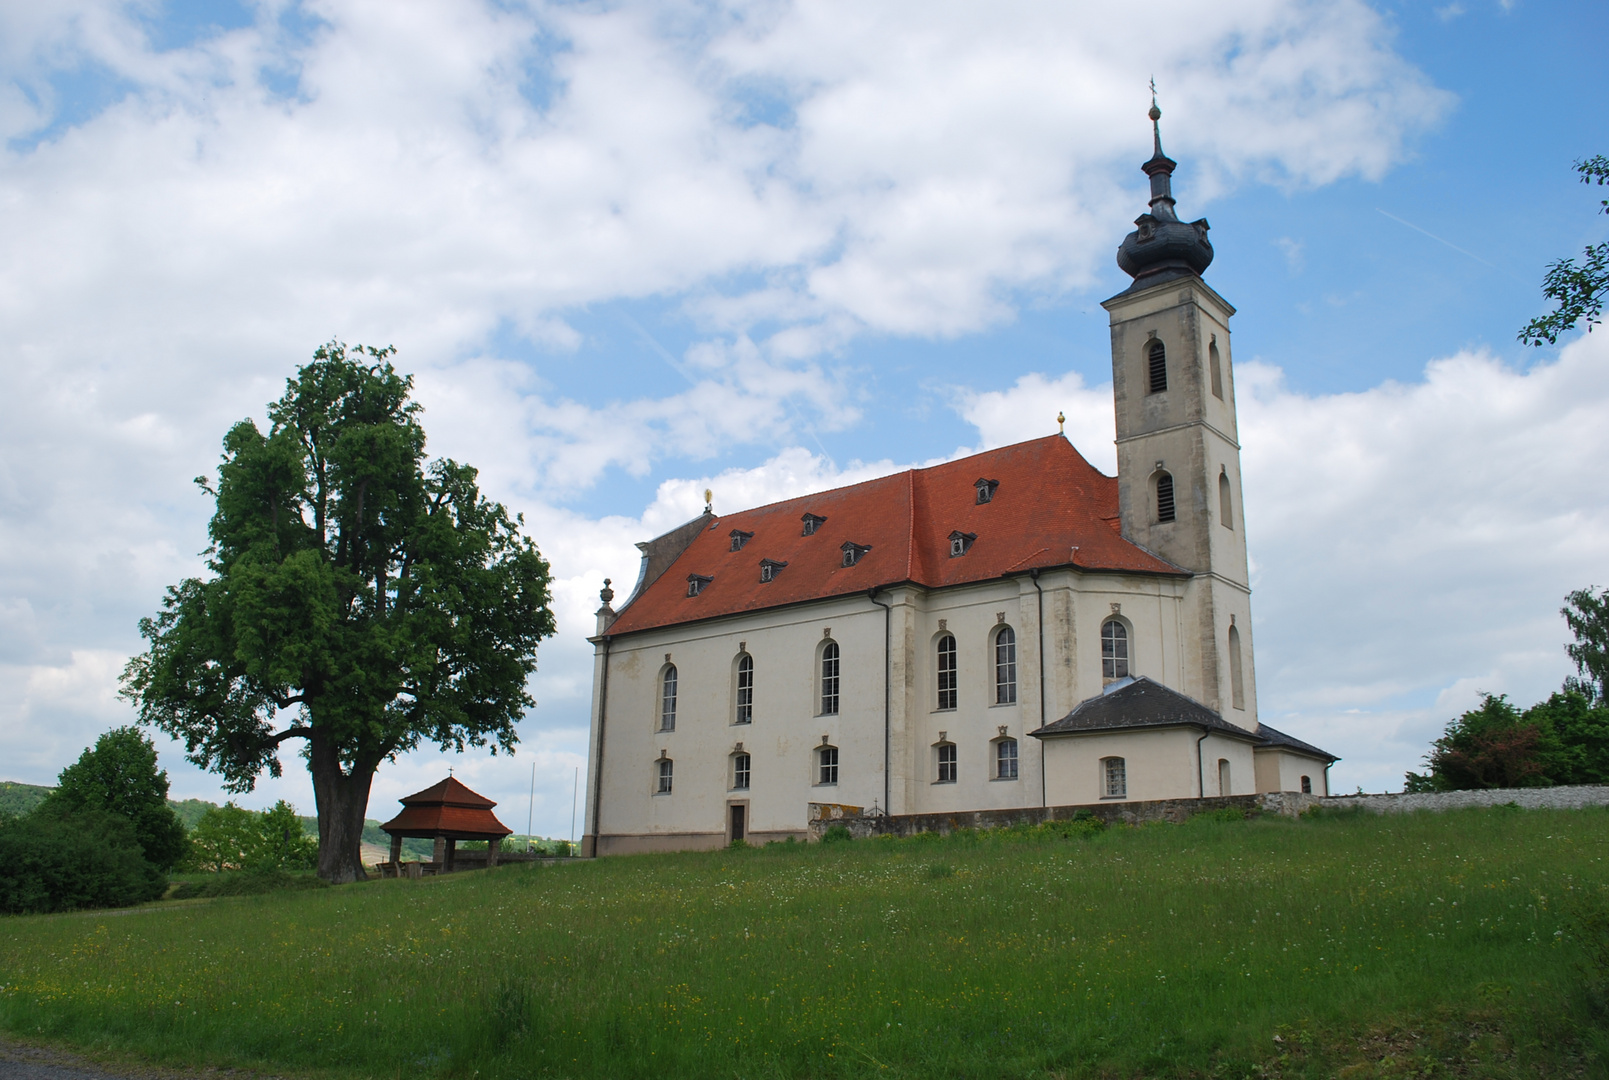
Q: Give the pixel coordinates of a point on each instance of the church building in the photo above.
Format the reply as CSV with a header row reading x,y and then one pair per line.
x,y
1010,629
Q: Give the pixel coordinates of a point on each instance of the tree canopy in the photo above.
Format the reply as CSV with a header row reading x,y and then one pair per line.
x,y
118,775
360,598
1578,289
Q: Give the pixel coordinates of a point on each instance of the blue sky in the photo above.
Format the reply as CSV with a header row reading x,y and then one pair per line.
x,y
637,249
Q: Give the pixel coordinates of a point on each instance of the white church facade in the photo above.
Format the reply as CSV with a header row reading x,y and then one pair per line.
x,y
1012,629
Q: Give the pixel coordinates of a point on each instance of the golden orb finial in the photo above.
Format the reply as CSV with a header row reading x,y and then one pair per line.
x,y
1061,423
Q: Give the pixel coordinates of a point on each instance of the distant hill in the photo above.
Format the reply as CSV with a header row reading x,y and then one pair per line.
x,y
18,798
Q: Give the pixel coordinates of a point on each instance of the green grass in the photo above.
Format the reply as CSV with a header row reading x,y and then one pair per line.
x,y
1354,946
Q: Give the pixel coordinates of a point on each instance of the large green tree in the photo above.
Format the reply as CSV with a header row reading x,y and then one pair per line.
x,y
360,599
1579,289
118,775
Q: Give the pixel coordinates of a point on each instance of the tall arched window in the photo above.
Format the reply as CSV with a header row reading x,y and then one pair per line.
x,y
947,679
1225,509
1237,682
745,690
667,699
1224,785
665,774
947,763
740,772
1157,367
826,764
1164,497
1215,371
1307,785
1114,650
1005,666
829,679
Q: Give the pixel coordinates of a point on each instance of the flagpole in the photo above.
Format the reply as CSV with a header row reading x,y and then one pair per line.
x,y
530,808
575,790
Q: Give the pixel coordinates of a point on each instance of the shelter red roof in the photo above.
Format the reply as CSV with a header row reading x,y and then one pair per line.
x,y
1050,508
447,809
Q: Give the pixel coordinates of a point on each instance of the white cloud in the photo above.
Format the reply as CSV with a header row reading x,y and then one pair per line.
x,y
787,178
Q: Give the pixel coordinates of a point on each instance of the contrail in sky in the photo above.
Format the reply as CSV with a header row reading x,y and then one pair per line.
x,y
1436,238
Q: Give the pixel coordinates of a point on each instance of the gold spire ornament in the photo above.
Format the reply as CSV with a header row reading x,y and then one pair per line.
x,y
709,500
1061,423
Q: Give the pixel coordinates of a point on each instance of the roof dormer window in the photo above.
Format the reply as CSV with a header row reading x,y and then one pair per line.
x,y
853,551
739,538
769,568
985,489
696,583
961,543
812,522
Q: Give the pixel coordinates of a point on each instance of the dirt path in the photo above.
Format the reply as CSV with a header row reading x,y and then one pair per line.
x,y
23,1061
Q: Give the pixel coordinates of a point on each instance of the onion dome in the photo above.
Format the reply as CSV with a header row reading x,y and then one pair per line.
x,y
1162,246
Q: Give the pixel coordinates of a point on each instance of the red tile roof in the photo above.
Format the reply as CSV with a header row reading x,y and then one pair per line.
x,y
448,808
1052,508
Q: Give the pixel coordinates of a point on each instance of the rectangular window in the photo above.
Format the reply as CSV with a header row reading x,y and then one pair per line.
x,y
828,757
947,763
1005,757
829,679
740,771
947,676
1116,778
664,776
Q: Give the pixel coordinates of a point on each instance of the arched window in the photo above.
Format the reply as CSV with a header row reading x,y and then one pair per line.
x,y
740,772
1224,786
1237,682
667,699
1215,371
1164,497
827,765
1157,365
1225,509
1114,778
665,771
1005,759
745,690
1005,666
829,679
947,762
1114,650
1307,785
947,680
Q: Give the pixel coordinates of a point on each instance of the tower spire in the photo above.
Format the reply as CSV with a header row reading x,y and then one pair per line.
x,y
1162,244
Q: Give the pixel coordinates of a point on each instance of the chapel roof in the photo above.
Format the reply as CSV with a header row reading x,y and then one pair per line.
x,y
1139,702
1046,507
448,809
1270,738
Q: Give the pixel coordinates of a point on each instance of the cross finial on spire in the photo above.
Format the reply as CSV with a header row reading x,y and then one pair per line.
x,y
1155,114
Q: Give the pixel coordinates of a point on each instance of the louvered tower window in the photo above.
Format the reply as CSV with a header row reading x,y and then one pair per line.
x,y
1158,358
1164,497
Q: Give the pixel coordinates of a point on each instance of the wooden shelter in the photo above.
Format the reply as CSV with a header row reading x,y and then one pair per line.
x,y
446,813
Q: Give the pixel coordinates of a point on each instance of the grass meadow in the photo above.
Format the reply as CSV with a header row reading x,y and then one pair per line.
x,y
1356,946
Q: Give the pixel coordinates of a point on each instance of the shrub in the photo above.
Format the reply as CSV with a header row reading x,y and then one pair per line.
x,y
118,775
836,834
56,860
229,837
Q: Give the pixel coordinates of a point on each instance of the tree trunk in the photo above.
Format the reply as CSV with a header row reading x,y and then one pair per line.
x,y
342,800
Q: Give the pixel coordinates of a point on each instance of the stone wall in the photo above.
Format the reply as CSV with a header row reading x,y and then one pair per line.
x,y
824,816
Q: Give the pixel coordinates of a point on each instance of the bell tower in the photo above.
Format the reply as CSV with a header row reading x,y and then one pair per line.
x,y
1178,448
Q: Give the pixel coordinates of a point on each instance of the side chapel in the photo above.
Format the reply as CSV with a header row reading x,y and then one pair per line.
x,y
1010,629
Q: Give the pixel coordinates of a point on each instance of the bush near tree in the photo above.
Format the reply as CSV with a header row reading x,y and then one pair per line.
x,y
1563,740
119,775
231,838
55,860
